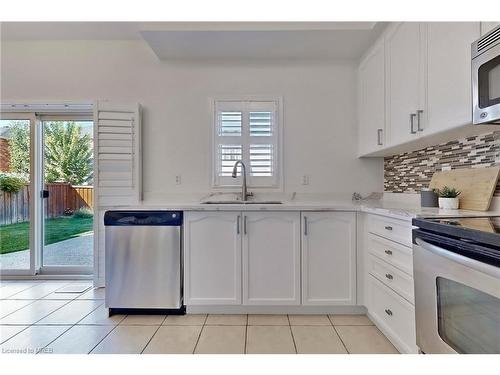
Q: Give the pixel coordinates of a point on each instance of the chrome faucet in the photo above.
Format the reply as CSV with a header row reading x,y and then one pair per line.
x,y
244,193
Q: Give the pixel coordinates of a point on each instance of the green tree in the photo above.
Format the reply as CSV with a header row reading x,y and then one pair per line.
x,y
68,153
19,143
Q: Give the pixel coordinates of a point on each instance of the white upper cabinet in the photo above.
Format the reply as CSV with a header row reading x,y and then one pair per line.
x,y
271,258
449,74
212,258
328,258
371,99
404,78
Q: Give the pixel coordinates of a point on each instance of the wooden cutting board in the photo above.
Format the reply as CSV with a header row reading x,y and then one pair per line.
x,y
476,184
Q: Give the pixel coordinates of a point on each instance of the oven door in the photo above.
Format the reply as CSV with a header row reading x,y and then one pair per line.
x,y
486,86
457,302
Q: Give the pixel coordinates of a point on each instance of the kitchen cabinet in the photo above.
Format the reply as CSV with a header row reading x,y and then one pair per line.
x,y
212,257
328,258
271,258
371,98
449,74
404,53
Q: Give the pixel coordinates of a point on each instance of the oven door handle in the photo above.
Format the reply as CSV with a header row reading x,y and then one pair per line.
x,y
468,262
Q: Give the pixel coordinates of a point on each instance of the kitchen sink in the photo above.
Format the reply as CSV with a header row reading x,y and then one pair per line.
x,y
241,202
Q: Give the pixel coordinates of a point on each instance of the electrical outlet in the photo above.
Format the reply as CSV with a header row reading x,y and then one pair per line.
x,y
178,179
305,179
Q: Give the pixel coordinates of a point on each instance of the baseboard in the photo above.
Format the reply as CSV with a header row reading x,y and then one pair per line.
x,y
240,309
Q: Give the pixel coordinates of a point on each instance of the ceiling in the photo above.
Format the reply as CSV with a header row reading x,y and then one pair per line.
x,y
215,40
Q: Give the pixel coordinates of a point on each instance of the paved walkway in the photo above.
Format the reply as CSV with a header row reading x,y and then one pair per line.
x,y
76,251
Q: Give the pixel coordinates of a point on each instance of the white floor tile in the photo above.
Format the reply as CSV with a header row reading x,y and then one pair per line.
x,y
126,340
365,340
350,320
270,340
174,340
32,340
71,313
78,340
185,320
95,293
309,320
33,312
221,340
143,320
6,332
100,316
39,291
226,320
268,320
317,340
8,306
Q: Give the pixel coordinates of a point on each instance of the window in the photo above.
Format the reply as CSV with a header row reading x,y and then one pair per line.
x,y
247,131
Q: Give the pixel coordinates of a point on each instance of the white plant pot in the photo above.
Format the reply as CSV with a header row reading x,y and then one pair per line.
x,y
448,203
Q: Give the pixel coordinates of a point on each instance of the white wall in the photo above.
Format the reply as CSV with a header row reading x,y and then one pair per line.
x,y
319,108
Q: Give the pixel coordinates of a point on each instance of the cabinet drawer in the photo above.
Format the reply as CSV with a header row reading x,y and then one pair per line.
x,y
395,279
394,315
392,229
393,253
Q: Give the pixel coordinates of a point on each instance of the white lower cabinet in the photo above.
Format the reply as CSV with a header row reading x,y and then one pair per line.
x,y
328,258
271,258
212,258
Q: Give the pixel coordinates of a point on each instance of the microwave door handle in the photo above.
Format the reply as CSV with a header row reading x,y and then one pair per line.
x,y
467,262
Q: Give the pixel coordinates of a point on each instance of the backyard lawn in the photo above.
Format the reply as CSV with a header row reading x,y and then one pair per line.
x,y
15,237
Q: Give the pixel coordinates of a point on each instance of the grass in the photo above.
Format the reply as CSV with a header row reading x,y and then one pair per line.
x,y
15,237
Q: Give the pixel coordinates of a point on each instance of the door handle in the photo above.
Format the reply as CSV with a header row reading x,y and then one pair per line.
x,y
388,227
379,137
388,312
389,276
245,225
305,225
238,224
412,120
419,120
45,193
388,252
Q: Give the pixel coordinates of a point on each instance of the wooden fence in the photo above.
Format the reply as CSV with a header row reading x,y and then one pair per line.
x,y
14,207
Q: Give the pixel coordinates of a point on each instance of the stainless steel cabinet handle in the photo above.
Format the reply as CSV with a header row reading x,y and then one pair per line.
x,y
388,252
419,120
389,276
388,312
238,224
388,227
245,225
412,120
305,225
379,137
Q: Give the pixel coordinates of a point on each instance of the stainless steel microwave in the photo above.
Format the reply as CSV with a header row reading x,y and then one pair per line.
x,y
486,78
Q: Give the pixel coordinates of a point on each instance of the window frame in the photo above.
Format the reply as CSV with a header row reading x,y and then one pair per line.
x,y
262,183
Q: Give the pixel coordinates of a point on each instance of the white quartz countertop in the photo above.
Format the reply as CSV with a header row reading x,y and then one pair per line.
x,y
397,210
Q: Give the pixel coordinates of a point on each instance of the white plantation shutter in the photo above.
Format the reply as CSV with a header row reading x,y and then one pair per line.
x,y
248,131
118,153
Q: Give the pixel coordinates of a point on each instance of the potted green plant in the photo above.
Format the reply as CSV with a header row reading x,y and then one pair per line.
x,y
448,198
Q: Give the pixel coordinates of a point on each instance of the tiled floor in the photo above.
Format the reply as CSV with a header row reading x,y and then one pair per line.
x,y
35,318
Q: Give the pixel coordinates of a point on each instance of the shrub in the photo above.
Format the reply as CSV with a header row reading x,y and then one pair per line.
x,y
84,213
12,183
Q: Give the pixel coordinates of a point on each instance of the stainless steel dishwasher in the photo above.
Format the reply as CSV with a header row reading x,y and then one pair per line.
x,y
143,261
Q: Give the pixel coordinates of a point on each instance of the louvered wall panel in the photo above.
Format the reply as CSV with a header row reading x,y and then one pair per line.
x,y
117,146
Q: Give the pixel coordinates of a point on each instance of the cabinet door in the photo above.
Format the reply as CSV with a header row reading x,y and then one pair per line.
x,y
212,258
329,258
404,75
371,76
449,74
271,258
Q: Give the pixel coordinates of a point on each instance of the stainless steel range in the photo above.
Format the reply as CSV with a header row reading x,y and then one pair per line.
x,y
457,285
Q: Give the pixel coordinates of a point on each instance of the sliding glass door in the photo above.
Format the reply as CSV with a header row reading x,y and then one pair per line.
x,y
68,239
46,194
17,186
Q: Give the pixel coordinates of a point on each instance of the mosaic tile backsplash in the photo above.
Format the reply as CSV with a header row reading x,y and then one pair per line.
x,y
411,171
